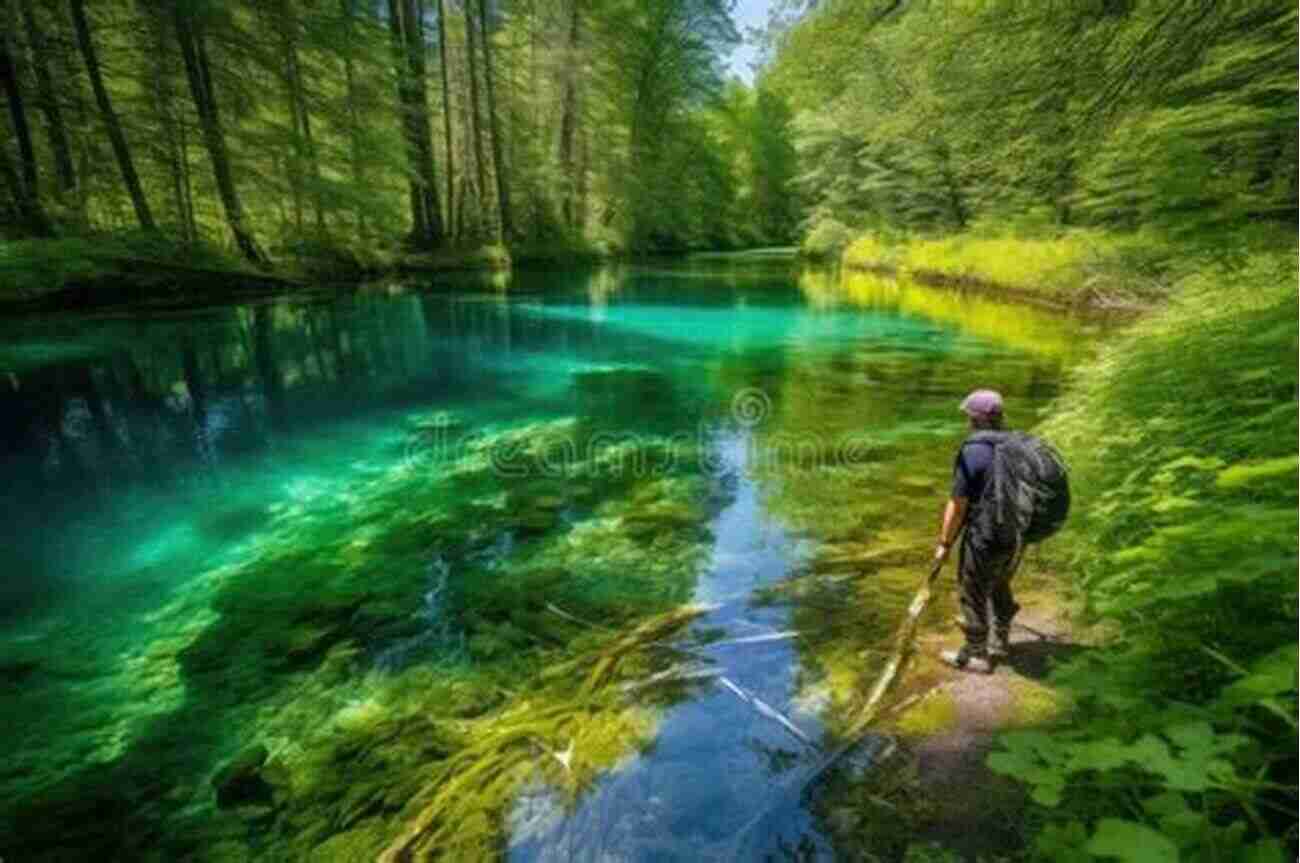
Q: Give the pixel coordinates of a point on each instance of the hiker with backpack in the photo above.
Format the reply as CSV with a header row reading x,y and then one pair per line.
x,y
1009,489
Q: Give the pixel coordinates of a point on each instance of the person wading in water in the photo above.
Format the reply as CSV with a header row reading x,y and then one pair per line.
x,y
985,563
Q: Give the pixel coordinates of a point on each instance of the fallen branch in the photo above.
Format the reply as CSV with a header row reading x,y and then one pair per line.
x,y
795,784
645,634
766,709
755,639
675,674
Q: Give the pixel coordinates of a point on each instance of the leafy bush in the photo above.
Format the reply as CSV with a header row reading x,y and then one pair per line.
x,y
1182,440
826,240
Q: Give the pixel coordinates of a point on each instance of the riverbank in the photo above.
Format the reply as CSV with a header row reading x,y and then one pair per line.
x,y
1077,269
74,273
1174,728
79,272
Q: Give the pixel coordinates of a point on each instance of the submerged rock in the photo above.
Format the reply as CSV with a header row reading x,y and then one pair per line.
x,y
240,782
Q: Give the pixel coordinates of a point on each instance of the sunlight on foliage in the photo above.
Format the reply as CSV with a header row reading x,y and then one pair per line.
x,y
1182,439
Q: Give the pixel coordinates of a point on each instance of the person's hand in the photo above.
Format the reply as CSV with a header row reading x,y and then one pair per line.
x,y
941,552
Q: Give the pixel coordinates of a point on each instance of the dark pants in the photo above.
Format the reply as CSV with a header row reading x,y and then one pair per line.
x,y
984,572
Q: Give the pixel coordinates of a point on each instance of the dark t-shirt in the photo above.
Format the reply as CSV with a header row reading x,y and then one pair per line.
x,y
971,470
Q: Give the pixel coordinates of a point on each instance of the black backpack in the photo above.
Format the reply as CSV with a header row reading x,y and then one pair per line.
x,y
1027,493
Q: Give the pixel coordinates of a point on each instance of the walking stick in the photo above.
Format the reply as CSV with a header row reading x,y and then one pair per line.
x,y
902,650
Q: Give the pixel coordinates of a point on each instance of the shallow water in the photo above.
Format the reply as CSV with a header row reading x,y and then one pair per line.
x,y
359,534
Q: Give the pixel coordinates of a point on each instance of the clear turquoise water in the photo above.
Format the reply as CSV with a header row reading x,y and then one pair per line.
x,y
339,527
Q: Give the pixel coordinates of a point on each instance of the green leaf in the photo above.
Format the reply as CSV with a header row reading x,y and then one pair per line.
x,y
1165,803
1131,842
1063,843
1048,793
1100,755
1271,675
1184,827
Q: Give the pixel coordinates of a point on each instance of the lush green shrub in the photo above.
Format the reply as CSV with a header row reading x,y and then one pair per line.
x,y
826,240
1182,441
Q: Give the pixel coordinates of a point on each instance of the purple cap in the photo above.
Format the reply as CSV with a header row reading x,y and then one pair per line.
x,y
982,404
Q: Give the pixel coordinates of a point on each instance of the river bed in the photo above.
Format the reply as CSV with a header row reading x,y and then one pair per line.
x,y
581,566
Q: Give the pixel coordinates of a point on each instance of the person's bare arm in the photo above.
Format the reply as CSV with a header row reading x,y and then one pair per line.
x,y
954,515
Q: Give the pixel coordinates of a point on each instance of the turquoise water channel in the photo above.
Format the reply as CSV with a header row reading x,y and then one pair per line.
x,y
585,566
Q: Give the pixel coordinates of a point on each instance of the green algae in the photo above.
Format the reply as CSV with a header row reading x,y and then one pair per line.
x,y
278,644
560,738
549,543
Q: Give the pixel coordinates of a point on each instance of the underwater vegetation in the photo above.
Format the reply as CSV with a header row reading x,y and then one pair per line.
x,y
467,627
292,702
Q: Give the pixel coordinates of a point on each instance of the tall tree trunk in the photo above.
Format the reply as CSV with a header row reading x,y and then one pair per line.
x,y
404,18
111,124
18,113
354,119
450,167
309,144
480,169
506,227
49,102
569,112
419,214
304,144
429,175
27,209
22,186
187,185
78,112
173,129
198,72
584,162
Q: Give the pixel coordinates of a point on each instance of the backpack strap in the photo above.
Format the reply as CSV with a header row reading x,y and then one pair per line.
x,y
992,438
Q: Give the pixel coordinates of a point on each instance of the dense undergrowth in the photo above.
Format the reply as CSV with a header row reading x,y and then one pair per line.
x,y
1181,437
1078,267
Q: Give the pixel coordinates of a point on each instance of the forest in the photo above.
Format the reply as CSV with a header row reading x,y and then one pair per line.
x,y
271,130
288,128
1089,205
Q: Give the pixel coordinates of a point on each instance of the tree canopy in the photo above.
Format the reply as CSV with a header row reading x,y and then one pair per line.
x,y
937,116
290,125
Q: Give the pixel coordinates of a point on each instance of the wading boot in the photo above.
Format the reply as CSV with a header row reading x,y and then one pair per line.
x,y
1000,643
968,659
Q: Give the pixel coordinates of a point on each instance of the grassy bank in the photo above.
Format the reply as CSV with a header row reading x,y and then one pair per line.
x,y
1077,268
1182,442
111,268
